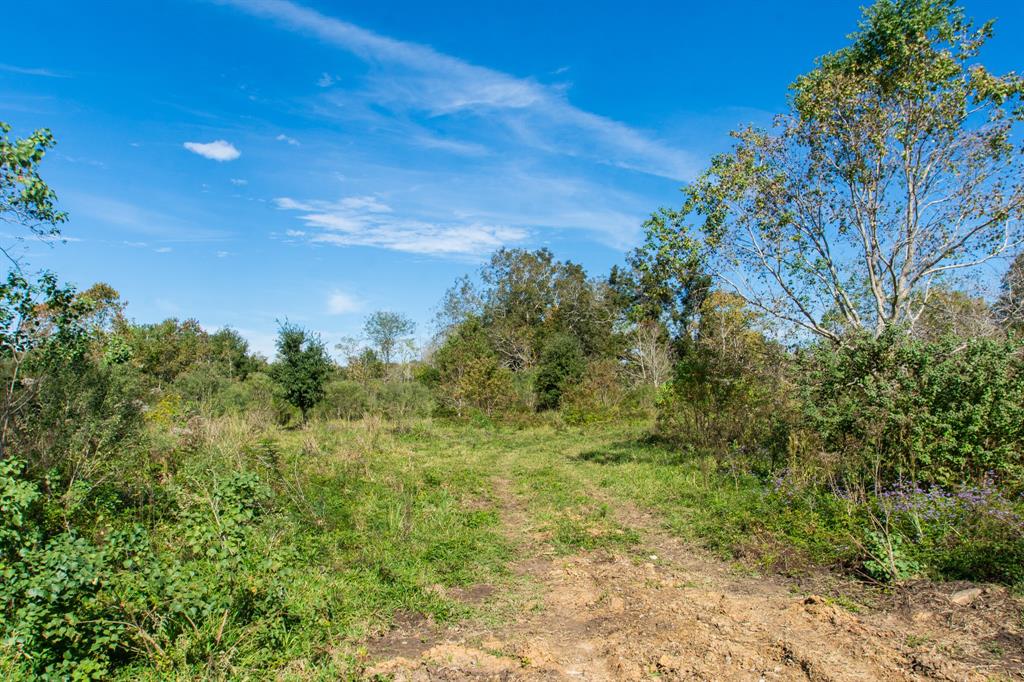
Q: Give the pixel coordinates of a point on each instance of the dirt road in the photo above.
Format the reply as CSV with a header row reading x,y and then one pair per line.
x,y
660,609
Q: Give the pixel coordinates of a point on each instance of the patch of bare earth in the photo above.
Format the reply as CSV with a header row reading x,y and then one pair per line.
x,y
671,612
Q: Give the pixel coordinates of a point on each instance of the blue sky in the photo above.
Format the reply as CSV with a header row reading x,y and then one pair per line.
x,y
245,161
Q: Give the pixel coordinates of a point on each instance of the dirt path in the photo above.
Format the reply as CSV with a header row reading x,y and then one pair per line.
x,y
663,610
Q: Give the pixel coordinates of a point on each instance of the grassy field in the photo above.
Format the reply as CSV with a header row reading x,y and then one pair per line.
x,y
324,537
369,520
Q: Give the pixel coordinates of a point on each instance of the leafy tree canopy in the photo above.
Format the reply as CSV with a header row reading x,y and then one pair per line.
x,y
385,329
302,367
25,199
897,166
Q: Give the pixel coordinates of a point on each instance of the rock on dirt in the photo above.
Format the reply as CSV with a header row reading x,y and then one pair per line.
x,y
965,597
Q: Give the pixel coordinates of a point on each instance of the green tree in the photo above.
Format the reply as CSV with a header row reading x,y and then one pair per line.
x,y
302,367
562,364
468,373
385,329
228,348
25,199
167,349
523,297
896,166
665,281
106,305
729,390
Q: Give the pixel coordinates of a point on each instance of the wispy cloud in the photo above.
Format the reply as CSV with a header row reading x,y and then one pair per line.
x,y
452,146
218,150
416,78
340,303
285,138
239,182
31,71
42,238
326,80
145,222
82,160
366,221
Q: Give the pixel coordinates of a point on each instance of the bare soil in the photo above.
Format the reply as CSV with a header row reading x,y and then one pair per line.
x,y
666,610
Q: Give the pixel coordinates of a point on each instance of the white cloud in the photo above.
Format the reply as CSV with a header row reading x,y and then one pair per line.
x,y
368,204
218,150
453,146
366,221
223,254
239,182
89,162
32,71
340,303
326,80
163,249
409,77
43,238
285,138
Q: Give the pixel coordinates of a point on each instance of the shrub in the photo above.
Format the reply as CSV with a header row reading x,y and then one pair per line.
x,y
729,397
469,377
206,387
70,411
972,531
403,400
60,618
562,365
77,608
599,396
344,399
899,408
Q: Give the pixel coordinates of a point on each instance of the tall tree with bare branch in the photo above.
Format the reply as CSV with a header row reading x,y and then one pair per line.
x,y
897,167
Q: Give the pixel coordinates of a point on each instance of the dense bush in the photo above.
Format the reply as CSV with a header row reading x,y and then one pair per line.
x,y
969,531
562,365
344,399
899,408
469,376
905,449
403,400
76,607
729,396
599,395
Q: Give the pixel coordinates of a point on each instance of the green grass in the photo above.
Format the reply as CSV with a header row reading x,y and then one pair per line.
x,y
366,524
367,521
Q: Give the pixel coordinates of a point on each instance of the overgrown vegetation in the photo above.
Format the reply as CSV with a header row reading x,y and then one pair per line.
x,y
786,369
